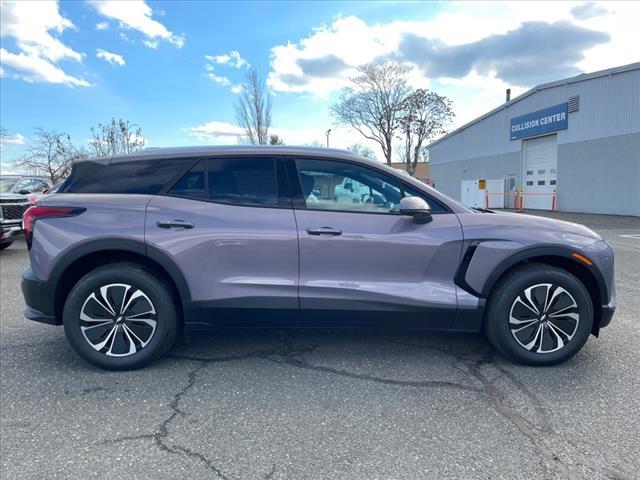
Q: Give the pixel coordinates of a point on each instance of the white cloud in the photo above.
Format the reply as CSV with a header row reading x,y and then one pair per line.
x,y
17,139
6,139
102,26
36,27
151,43
323,61
112,58
233,59
219,79
37,69
136,15
221,133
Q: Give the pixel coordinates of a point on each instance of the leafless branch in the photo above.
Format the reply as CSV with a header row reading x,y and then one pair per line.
x,y
253,109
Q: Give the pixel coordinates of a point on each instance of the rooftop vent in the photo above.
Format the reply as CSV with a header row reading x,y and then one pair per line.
x,y
574,103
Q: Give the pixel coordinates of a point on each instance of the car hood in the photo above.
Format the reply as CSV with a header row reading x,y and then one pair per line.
x,y
525,229
13,196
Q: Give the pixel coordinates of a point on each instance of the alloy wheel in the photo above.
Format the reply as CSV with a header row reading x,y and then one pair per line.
x,y
118,319
544,318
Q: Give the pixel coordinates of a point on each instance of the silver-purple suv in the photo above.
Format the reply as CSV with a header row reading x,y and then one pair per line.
x,y
133,251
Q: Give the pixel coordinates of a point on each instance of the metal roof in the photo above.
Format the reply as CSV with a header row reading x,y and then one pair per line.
x,y
578,78
222,150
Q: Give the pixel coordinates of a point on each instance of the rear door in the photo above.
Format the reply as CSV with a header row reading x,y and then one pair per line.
x,y
358,253
229,227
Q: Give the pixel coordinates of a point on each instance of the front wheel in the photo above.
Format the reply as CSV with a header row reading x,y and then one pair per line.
x,y
120,317
4,245
539,315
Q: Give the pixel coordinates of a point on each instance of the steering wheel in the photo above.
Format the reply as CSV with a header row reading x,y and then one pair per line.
x,y
372,198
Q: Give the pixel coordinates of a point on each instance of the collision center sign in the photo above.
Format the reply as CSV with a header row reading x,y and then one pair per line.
x,y
547,120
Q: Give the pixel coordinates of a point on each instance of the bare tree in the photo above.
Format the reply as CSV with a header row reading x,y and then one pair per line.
x,y
362,150
275,140
253,109
117,137
425,115
374,102
50,154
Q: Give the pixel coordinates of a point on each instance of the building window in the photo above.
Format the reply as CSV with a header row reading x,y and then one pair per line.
x,y
540,182
552,182
540,172
529,172
529,183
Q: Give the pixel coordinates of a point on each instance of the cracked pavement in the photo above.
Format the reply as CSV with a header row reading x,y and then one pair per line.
x,y
324,403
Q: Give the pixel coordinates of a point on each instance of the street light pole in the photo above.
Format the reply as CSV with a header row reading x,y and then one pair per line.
x,y
328,132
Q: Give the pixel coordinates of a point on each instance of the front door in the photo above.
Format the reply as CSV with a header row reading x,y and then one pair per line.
x,y
358,253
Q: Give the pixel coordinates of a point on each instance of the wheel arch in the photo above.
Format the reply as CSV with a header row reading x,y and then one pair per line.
x,y
560,257
81,260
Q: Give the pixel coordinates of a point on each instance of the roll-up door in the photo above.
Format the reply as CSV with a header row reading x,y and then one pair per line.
x,y
540,167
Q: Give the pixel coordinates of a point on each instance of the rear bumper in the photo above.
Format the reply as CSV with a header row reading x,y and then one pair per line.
x,y
39,296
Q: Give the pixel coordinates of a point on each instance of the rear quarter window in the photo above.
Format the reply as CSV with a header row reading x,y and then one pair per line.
x,y
142,177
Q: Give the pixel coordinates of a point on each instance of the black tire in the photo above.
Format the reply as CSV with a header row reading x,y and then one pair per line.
x,y
4,245
156,297
507,295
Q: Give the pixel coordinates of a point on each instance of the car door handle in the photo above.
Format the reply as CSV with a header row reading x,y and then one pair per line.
x,y
324,231
175,224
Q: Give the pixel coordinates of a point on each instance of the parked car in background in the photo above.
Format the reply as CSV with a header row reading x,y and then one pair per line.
x,y
134,249
16,194
350,190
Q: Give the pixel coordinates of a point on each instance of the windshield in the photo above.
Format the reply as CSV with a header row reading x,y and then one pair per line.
x,y
6,184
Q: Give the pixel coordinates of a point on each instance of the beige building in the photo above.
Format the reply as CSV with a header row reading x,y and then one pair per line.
x,y
422,169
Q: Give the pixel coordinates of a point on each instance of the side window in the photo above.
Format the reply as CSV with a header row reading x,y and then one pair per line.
x,y
26,184
243,181
436,207
141,176
191,184
329,185
39,185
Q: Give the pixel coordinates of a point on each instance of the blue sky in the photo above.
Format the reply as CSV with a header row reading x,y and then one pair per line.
x,y
173,67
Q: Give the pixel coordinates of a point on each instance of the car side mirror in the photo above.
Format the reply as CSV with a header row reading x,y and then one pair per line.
x,y
417,208
24,191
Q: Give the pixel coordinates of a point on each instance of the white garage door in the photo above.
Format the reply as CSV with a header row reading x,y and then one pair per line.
x,y
540,167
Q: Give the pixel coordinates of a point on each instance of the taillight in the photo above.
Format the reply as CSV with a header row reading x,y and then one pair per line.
x,y
32,214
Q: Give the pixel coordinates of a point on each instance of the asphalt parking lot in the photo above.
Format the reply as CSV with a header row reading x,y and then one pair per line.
x,y
324,404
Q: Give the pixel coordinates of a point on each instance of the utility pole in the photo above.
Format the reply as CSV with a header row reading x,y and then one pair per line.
x,y
327,134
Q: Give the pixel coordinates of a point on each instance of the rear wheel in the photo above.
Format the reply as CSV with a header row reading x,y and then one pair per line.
x,y
120,317
539,315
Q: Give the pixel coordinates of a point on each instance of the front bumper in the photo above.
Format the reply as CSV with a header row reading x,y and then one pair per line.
x,y
607,311
39,296
8,232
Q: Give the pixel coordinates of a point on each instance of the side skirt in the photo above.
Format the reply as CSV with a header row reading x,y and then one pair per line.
x,y
202,316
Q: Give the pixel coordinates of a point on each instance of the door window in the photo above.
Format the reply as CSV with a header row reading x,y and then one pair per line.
x,y
192,183
341,186
243,181
26,184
